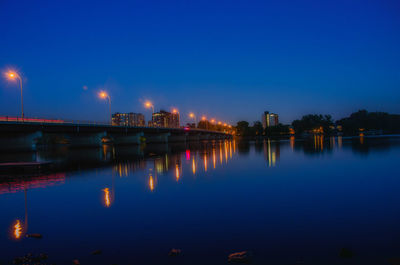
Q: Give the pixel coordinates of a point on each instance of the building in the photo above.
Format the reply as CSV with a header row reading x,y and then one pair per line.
x,y
128,119
269,119
165,119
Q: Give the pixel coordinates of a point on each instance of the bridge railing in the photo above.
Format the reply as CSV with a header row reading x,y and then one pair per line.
x,y
81,122
58,121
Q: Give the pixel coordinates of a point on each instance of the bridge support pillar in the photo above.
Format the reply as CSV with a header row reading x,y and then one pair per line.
x,y
85,139
193,137
177,138
121,139
157,138
212,137
19,141
204,137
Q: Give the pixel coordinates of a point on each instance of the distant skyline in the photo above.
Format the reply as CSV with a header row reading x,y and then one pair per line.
x,y
229,60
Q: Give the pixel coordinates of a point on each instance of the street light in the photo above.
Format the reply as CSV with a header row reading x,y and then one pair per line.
x,y
148,105
213,123
204,118
12,76
104,95
176,119
192,116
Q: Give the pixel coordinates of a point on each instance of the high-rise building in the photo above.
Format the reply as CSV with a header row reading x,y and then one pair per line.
x,y
165,119
128,119
269,119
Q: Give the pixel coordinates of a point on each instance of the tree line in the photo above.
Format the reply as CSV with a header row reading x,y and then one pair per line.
x,y
360,121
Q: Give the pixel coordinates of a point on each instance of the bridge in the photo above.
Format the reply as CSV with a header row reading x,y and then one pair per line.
x,y
31,133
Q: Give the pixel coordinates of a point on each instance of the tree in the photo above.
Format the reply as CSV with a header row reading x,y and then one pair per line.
x,y
242,128
257,128
313,123
364,120
277,130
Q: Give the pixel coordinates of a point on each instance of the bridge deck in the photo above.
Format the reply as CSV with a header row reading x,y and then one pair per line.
x,y
29,126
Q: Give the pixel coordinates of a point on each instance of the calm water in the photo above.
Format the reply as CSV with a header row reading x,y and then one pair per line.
x,y
288,202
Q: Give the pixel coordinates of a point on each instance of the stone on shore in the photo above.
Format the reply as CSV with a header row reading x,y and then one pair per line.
x,y
394,261
175,252
240,257
97,252
38,236
30,258
346,253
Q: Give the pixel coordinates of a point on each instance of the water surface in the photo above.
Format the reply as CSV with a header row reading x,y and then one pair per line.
x,y
288,202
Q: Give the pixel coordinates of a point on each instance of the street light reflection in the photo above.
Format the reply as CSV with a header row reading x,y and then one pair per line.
x,y
177,173
214,157
205,162
151,183
107,198
17,230
193,166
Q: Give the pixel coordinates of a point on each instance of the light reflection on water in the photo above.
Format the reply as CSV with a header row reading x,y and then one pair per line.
x,y
261,190
17,229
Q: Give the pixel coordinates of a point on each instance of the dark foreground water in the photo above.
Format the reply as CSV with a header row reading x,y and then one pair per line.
x,y
288,202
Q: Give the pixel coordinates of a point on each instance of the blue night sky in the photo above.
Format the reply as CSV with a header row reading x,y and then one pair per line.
x,y
226,59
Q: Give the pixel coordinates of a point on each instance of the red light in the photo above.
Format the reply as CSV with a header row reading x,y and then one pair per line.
x,y
30,120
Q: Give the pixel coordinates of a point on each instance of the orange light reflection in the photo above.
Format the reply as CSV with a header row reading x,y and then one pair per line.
x,y
17,230
177,173
107,199
151,183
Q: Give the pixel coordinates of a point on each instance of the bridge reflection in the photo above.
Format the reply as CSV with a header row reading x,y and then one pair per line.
x,y
176,160
17,184
158,159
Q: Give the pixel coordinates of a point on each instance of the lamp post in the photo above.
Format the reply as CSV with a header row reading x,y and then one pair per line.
x,y
192,116
213,123
104,95
13,75
176,112
204,118
148,105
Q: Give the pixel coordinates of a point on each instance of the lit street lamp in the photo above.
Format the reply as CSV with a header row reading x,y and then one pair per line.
x,y
192,116
148,105
204,118
104,95
13,75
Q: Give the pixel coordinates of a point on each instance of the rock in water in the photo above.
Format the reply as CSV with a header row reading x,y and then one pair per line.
x,y
30,259
97,252
394,261
346,253
174,252
34,235
240,257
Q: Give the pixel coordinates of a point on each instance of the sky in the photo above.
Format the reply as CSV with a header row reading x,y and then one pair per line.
x,y
228,60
